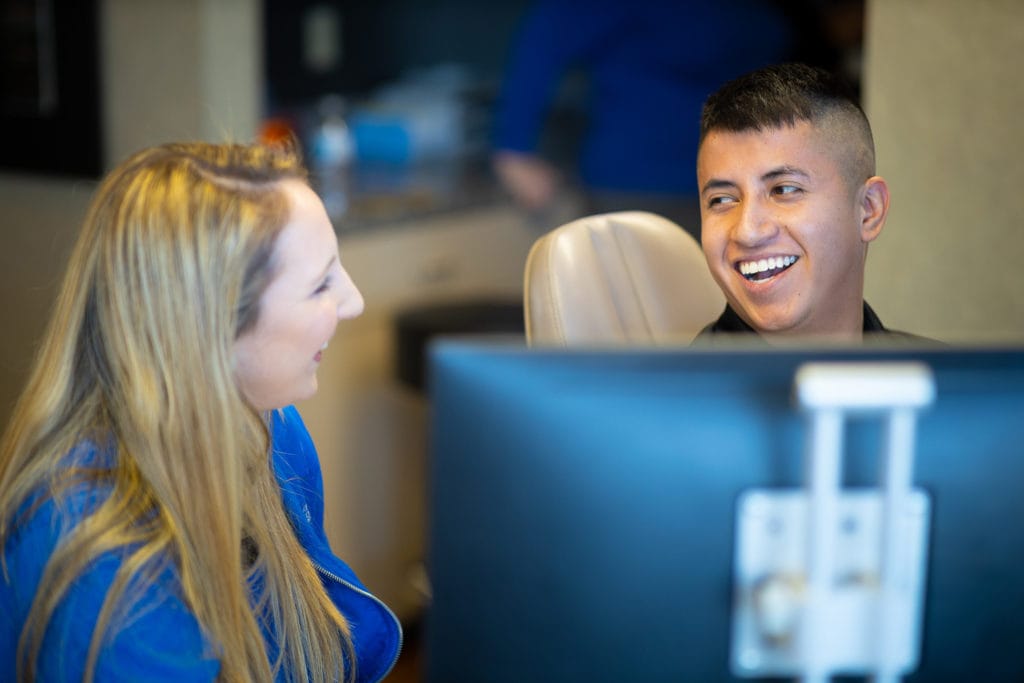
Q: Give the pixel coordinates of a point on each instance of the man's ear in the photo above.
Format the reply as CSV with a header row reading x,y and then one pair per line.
x,y
874,207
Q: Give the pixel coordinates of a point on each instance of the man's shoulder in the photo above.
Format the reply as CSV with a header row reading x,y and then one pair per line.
x,y
874,329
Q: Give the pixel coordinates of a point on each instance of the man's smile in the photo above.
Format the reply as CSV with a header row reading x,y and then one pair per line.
x,y
762,269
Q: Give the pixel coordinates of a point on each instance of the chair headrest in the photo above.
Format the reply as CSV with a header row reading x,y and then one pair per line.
x,y
628,277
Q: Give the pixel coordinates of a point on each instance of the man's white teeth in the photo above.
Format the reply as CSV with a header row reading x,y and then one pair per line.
x,y
773,263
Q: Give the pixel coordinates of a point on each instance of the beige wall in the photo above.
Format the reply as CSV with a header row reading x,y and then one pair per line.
x,y
945,94
187,69
38,220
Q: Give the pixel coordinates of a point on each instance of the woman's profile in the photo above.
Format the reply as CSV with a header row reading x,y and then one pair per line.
x,y
161,506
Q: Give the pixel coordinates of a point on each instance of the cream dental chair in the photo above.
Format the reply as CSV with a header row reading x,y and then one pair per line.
x,y
629,277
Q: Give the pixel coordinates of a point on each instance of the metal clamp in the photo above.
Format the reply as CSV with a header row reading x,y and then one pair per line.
x,y
829,580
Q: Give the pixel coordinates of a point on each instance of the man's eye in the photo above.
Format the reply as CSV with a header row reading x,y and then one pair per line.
x,y
718,201
787,190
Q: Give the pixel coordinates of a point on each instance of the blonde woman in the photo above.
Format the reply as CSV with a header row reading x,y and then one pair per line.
x,y
160,502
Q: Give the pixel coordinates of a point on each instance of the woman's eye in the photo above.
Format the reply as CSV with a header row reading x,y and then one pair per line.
x,y
323,286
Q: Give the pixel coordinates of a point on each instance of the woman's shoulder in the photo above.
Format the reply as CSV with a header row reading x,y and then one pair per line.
x,y
43,519
31,539
159,619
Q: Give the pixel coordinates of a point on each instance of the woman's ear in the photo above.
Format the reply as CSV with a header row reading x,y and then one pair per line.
x,y
874,207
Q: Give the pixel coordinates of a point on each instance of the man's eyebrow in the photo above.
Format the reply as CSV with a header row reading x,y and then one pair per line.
x,y
717,184
785,171
773,174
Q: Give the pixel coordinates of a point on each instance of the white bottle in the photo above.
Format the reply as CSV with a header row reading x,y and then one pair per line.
x,y
332,152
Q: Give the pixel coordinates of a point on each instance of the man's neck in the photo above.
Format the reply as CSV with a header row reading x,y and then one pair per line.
x,y
844,332
862,321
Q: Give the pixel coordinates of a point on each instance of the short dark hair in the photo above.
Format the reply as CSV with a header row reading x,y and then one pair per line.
x,y
783,95
775,96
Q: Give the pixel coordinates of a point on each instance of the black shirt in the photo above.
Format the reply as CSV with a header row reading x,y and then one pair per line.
x,y
731,323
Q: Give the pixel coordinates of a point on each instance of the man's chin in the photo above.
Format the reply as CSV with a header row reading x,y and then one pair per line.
x,y
773,325
765,320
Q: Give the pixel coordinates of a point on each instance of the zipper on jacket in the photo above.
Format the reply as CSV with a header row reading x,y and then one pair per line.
x,y
387,610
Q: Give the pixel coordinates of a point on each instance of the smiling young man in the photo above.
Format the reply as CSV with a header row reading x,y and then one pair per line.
x,y
789,203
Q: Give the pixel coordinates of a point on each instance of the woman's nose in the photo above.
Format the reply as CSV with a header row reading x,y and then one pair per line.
x,y
350,300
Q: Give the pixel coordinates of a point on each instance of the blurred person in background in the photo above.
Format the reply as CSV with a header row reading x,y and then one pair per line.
x,y
649,65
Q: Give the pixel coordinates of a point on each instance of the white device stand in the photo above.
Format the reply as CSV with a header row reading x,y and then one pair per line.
x,y
830,581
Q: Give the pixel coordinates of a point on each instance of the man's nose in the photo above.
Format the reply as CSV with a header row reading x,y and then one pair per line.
x,y
756,223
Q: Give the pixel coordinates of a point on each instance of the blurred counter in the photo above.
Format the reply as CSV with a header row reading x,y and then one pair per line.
x,y
380,194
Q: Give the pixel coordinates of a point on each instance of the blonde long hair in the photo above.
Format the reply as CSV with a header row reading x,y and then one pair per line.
x,y
174,254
